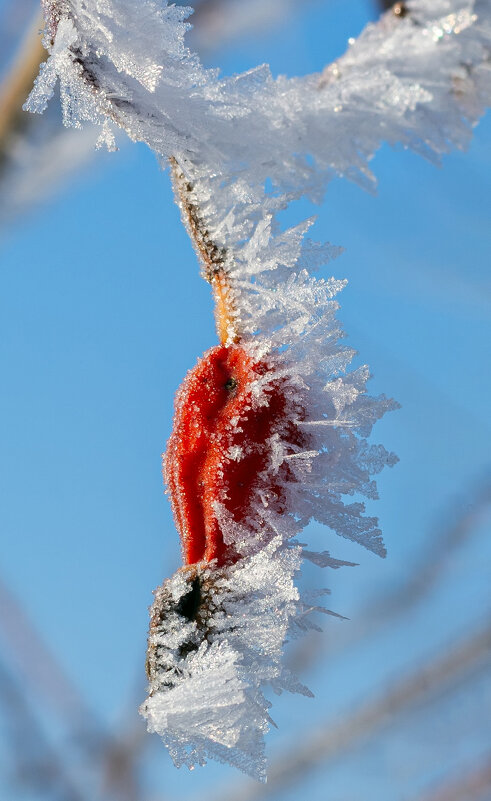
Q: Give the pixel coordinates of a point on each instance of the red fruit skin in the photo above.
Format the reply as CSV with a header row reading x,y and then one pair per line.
x,y
214,412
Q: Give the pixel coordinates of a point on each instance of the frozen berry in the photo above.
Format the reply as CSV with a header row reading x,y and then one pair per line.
x,y
220,448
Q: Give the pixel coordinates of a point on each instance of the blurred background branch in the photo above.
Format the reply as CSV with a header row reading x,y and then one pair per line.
x,y
34,764
472,784
319,747
17,84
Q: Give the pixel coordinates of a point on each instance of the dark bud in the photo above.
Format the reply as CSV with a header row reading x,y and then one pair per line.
x,y
188,606
231,384
171,616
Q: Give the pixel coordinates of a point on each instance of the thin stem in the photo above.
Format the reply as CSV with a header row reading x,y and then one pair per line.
x,y
52,12
212,257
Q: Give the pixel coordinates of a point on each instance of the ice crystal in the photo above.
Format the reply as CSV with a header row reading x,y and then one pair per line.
x,y
242,148
421,80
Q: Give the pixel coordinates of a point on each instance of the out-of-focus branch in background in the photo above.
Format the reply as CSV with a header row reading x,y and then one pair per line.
x,y
218,22
36,765
473,785
461,520
17,85
459,523
112,760
20,638
319,747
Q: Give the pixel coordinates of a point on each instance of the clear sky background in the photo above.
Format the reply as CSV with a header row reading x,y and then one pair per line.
x,y
102,312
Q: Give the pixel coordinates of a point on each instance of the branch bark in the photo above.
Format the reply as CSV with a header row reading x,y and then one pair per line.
x,y
213,258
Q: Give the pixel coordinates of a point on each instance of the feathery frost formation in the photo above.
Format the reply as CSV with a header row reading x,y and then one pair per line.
x,y
419,77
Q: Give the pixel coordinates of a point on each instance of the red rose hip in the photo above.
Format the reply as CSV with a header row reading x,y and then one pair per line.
x,y
226,412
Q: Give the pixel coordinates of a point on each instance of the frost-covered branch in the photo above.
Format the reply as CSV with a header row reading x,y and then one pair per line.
x,y
36,153
213,259
420,79
271,427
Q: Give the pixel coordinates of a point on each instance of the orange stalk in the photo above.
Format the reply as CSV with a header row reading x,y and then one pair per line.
x,y
212,257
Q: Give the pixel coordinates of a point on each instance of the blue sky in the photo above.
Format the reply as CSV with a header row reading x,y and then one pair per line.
x,y
102,312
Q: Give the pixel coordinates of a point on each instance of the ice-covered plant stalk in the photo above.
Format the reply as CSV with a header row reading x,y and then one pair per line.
x,y
271,426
